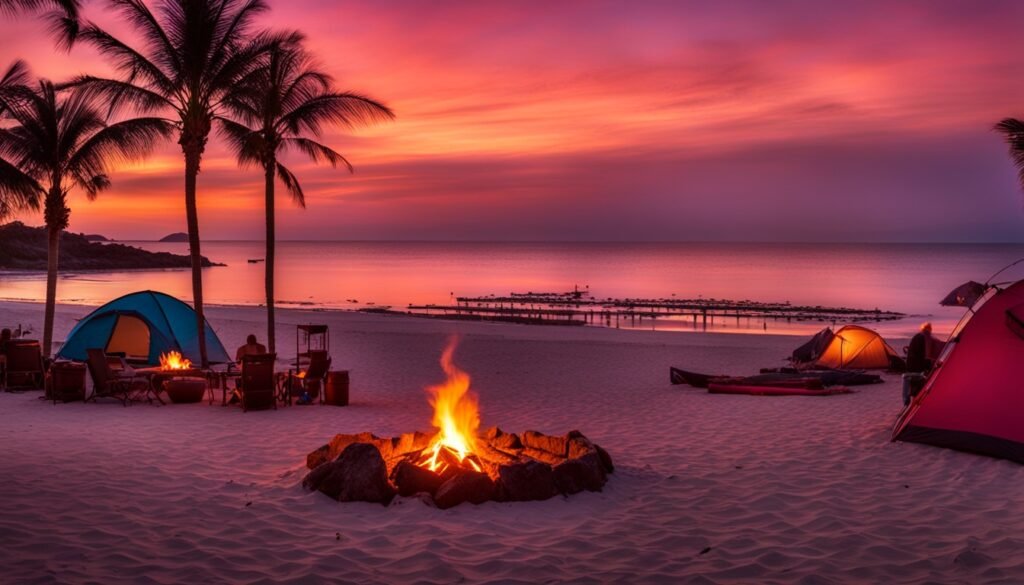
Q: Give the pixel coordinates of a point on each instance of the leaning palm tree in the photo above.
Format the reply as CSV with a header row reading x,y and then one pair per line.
x,y
193,54
1012,130
18,191
63,15
278,107
59,142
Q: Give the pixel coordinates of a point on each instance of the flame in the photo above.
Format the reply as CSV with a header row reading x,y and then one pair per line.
x,y
174,361
456,416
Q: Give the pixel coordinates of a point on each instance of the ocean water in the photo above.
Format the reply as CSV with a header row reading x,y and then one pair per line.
x,y
350,275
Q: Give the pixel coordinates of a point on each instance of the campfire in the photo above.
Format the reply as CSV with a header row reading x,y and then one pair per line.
x,y
458,419
457,462
173,360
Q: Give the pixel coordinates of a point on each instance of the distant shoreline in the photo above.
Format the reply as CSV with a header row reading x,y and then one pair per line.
x,y
27,248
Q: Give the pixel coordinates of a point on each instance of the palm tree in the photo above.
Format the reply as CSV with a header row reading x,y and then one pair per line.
x,y
279,105
1012,130
17,190
63,17
60,142
194,52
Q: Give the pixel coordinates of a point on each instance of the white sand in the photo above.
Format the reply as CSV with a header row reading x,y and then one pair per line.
x,y
781,490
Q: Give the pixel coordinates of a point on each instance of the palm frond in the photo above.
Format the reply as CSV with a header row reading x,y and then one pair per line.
x,y
162,52
17,74
18,191
64,27
291,183
248,146
346,109
125,141
318,152
1012,130
13,85
119,94
126,58
230,30
92,185
63,20
227,78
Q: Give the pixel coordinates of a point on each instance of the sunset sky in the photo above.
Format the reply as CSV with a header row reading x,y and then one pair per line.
x,y
594,120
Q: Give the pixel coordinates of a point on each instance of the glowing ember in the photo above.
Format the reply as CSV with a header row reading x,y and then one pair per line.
x,y
174,361
456,417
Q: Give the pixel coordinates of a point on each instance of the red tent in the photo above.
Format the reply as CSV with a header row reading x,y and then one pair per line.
x,y
974,399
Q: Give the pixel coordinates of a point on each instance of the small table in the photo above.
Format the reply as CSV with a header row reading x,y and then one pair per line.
x,y
223,377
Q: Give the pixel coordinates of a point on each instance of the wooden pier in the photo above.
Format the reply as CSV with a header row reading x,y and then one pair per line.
x,y
580,308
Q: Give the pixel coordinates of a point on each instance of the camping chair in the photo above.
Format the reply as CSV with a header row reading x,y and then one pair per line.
x,y
65,381
113,383
257,386
24,365
311,380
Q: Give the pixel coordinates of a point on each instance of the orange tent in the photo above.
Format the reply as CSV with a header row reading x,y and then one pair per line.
x,y
857,348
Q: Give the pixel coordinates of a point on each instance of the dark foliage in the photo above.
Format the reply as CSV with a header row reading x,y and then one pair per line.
x,y
25,248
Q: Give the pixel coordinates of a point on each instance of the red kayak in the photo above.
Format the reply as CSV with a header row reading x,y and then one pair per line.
x,y
714,388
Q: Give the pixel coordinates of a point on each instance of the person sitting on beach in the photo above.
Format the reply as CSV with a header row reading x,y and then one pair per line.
x,y
251,347
921,353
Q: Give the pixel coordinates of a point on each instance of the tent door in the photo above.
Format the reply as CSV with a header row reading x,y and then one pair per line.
x,y
130,337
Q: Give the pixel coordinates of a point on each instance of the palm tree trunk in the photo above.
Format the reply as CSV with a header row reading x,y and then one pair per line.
x,y
269,261
192,155
51,287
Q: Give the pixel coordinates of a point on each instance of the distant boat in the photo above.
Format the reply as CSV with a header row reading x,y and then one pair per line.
x,y
255,260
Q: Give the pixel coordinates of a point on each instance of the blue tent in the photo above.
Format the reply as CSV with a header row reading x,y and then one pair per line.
x,y
142,325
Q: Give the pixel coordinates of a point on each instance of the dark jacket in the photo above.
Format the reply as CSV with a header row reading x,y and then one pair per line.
x,y
917,354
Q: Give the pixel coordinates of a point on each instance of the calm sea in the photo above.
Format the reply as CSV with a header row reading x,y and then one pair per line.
x,y
348,275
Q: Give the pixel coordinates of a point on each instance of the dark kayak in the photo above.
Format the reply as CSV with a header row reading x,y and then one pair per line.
x,y
775,390
782,377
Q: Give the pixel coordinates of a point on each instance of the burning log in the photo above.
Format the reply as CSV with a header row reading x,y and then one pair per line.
x,y
411,479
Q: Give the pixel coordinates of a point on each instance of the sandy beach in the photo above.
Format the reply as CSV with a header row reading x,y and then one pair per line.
x,y
708,488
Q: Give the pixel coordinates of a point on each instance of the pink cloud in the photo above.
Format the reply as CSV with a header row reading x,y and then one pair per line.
x,y
519,119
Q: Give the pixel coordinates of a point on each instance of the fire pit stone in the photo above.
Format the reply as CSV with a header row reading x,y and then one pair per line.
x,y
468,486
553,445
526,480
357,475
